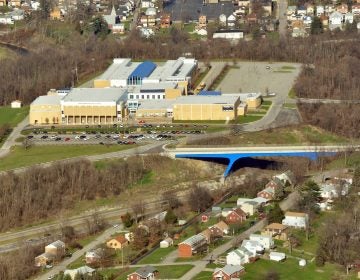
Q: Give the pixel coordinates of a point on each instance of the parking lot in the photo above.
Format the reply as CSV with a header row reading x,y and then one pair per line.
x,y
189,10
103,138
259,76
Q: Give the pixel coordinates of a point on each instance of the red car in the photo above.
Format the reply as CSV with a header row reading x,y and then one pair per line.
x,y
67,139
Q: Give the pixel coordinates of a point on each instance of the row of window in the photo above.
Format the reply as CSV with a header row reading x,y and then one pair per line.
x,y
146,96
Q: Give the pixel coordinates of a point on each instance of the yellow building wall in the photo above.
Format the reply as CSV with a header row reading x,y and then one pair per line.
x,y
184,84
241,110
194,112
101,83
44,114
146,113
253,103
90,111
172,93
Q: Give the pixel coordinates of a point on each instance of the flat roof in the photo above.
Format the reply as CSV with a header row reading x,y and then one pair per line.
x,y
153,104
207,99
47,100
245,96
143,70
174,70
96,95
121,69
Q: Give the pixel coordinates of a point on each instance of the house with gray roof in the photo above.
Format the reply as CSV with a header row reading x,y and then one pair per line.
x,y
143,273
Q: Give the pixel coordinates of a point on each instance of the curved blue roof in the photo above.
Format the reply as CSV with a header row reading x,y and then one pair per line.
x,y
143,70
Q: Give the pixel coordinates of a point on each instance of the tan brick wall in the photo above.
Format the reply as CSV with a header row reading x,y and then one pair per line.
x,y
172,93
101,83
184,251
44,114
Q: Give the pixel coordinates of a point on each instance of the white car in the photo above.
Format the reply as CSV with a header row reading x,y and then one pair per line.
x,y
77,137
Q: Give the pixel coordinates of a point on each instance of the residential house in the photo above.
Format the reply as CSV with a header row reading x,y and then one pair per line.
x,y
17,14
57,249
94,256
343,8
167,242
82,271
245,3
329,9
348,18
118,242
225,212
296,219
222,19
276,231
277,256
320,10
249,207
355,9
44,260
266,241
240,256
254,247
291,10
298,29
335,20
165,21
267,7
236,216
328,191
286,178
147,4
324,20
310,9
56,14
216,211
16,104
301,11
231,20
252,18
202,21
3,3
307,21
228,272
208,235
150,12
268,193
222,228
113,20
191,246
144,273
129,236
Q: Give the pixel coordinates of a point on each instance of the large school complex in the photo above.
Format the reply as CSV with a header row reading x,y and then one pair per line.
x,y
141,91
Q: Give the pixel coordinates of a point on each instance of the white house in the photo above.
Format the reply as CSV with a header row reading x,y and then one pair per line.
x,y
310,10
296,219
6,19
349,17
166,243
239,256
291,10
17,14
320,10
266,241
307,20
84,270
147,4
249,207
222,19
301,11
277,256
329,9
231,20
335,18
226,211
16,104
355,9
150,12
255,247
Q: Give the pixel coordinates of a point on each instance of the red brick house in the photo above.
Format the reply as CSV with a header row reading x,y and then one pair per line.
x,y
219,230
228,272
236,216
267,193
144,273
191,246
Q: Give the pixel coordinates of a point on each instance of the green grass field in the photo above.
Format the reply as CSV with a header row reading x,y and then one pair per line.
x,y
203,275
157,256
290,270
19,157
12,116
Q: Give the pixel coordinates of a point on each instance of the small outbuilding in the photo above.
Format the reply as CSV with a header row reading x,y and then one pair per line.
x,y
277,256
16,104
166,243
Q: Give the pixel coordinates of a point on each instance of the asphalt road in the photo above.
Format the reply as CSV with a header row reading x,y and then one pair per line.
x,y
282,6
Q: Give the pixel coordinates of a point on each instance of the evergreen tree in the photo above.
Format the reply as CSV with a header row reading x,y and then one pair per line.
x,y
316,26
275,214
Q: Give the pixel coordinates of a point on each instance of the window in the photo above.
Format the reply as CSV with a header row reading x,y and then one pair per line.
x,y
158,96
142,96
137,96
153,97
131,96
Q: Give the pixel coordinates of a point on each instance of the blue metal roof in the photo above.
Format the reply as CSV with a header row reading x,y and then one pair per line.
x,y
143,70
209,92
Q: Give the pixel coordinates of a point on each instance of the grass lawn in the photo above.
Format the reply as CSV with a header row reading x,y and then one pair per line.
x,y
290,270
246,119
352,160
157,256
203,275
19,157
290,106
12,116
292,93
165,272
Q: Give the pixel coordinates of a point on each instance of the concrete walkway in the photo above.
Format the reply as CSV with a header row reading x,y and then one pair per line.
x,y
15,133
